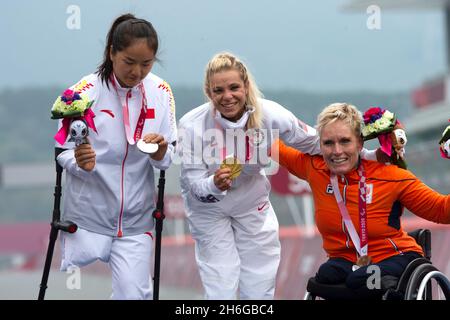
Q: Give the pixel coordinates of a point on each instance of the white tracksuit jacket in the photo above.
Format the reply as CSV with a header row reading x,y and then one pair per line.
x,y
117,198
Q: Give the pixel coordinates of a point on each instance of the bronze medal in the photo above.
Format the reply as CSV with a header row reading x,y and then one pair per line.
x,y
363,261
234,165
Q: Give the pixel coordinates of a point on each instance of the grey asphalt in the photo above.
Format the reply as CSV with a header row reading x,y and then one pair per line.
x,y
18,285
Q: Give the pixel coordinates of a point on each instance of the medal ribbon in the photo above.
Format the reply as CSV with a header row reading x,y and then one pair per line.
x,y
248,147
360,241
126,115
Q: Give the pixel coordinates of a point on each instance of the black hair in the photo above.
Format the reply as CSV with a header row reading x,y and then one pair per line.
x,y
124,30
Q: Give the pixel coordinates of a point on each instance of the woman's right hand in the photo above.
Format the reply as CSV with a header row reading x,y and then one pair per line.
x,y
85,156
222,179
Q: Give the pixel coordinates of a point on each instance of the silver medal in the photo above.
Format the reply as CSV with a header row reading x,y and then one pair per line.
x,y
149,148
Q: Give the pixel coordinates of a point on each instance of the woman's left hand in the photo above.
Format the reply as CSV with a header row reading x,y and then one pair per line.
x,y
162,145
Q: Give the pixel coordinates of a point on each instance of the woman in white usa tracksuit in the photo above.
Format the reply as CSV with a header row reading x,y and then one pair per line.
x,y
231,220
110,191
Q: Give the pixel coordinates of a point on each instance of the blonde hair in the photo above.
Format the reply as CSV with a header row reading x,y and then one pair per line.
x,y
341,111
225,61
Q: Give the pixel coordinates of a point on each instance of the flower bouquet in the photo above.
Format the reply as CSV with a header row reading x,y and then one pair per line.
x,y
444,143
383,124
72,106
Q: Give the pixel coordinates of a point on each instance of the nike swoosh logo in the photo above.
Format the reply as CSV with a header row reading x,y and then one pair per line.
x,y
263,206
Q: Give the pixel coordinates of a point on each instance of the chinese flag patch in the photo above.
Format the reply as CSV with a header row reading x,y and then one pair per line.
x,y
150,114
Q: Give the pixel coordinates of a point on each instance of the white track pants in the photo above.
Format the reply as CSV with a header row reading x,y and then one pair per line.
x,y
129,259
237,249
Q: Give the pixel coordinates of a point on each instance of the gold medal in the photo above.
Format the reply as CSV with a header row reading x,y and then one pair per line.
x,y
363,261
234,165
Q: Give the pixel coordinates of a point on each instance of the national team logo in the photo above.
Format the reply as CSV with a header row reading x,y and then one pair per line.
x,y
109,112
257,137
150,113
329,189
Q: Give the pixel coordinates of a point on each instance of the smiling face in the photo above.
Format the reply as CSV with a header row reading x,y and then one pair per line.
x,y
132,64
228,93
340,147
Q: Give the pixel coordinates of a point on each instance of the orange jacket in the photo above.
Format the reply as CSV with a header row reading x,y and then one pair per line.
x,y
385,185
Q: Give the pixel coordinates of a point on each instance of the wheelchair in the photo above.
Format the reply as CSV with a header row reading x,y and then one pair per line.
x,y
414,284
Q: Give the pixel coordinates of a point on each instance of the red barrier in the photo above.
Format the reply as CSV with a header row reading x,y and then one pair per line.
x,y
301,255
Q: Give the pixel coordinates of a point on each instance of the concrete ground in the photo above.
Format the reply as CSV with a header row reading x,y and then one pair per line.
x,y
24,285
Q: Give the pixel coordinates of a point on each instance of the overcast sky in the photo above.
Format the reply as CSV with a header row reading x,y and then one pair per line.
x,y
309,45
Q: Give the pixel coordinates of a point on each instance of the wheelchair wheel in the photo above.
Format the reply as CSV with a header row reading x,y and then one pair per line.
x,y
410,269
442,281
419,282
309,296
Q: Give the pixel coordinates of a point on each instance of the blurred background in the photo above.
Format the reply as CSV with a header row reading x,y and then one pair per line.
x,y
303,54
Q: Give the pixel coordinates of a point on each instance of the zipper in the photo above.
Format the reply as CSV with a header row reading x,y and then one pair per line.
x,y
394,245
122,187
122,177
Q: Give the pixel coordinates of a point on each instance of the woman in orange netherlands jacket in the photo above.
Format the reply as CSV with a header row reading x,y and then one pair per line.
x,y
374,235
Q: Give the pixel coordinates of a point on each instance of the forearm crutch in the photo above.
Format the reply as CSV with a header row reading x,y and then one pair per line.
x,y
158,215
56,225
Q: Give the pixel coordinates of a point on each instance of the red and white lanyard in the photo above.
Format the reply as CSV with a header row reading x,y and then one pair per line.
x,y
360,241
248,147
126,114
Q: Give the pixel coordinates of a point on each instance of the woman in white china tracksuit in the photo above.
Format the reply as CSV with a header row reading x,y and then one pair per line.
x,y
232,220
110,189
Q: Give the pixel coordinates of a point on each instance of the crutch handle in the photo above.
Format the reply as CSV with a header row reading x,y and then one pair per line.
x,y
67,226
158,215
